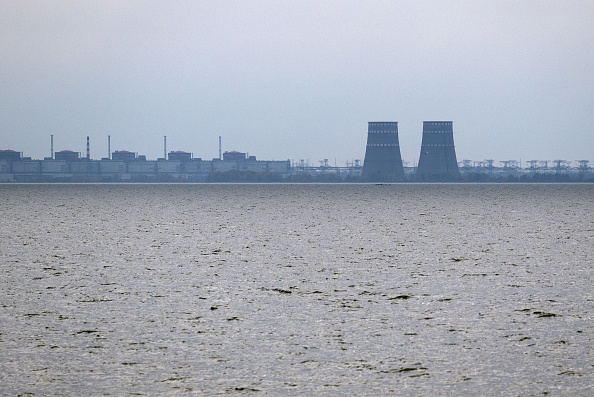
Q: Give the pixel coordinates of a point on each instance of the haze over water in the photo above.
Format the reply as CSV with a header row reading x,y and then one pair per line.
x,y
296,289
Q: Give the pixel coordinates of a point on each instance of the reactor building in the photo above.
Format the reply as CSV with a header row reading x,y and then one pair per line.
x,y
383,161
438,154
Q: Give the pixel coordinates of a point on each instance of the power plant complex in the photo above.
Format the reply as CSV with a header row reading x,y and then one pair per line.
x,y
383,163
127,166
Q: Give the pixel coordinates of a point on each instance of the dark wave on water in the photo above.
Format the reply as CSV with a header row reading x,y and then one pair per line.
x,y
296,289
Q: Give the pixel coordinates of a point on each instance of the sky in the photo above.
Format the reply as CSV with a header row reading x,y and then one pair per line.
x,y
297,79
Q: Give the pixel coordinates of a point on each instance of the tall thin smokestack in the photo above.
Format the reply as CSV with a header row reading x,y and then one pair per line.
x,y
88,149
220,147
109,147
165,147
52,153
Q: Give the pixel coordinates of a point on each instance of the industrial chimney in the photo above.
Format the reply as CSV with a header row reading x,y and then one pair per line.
x,y
438,154
383,161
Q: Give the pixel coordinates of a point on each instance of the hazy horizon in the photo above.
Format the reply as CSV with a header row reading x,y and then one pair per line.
x,y
290,80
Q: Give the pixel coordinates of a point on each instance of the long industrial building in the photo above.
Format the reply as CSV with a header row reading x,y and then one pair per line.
x,y
128,166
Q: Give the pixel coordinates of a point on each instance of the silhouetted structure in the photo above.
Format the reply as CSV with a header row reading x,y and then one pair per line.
x,y
10,155
179,155
67,155
234,156
382,155
438,154
123,155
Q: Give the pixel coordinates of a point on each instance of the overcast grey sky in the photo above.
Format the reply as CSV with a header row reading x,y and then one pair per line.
x,y
297,79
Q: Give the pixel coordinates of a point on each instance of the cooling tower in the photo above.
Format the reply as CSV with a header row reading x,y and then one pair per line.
x,y
438,155
382,155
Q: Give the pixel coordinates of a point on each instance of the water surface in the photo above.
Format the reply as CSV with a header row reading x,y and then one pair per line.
x,y
296,289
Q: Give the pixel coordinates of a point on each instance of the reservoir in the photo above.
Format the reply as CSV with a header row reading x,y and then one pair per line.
x,y
297,289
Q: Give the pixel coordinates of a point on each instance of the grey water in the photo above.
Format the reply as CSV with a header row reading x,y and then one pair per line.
x,y
403,289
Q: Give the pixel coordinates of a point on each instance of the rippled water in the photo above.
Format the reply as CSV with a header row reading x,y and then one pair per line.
x,y
297,289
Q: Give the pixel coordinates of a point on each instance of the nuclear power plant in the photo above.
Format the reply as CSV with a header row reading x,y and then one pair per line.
x,y
438,154
383,161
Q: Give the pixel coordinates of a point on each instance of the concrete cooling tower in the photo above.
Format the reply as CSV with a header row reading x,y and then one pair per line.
x,y
382,155
438,155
